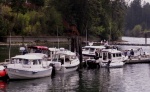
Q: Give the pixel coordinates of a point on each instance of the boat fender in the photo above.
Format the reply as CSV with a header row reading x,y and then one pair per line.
x,y
3,73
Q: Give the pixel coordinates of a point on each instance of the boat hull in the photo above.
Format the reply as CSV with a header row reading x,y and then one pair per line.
x,y
113,65
25,74
66,69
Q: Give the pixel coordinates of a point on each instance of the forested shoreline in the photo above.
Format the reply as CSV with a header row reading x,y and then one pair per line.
x,y
137,19
105,19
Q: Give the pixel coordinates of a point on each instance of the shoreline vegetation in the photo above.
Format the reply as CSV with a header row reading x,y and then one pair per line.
x,y
51,40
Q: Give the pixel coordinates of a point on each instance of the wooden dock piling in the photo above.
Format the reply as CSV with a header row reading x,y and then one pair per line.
x,y
77,46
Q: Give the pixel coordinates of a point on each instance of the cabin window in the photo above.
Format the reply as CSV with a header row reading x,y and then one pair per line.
x,y
119,54
109,55
100,55
12,61
86,48
67,59
39,61
26,62
15,61
104,56
114,55
20,61
35,62
92,49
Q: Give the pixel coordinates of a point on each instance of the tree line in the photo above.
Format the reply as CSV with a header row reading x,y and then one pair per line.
x,y
96,18
137,19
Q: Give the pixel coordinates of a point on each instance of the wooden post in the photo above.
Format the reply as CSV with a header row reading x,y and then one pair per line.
x,y
80,53
72,44
22,40
77,46
145,38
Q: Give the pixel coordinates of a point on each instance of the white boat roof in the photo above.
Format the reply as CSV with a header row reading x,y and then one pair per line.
x,y
111,50
66,52
53,49
96,47
37,54
27,57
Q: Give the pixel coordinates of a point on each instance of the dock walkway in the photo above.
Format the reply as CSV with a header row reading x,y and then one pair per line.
x,y
131,44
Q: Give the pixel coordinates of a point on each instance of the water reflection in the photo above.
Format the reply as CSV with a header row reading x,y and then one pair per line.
x,y
34,85
103,80
137,78
97,80
60,83
65,82
3,85
130,78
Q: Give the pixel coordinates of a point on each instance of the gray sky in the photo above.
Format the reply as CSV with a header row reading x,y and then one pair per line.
x,y
141,0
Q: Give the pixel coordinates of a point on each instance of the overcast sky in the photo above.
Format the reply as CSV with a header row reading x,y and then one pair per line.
x,y
141,0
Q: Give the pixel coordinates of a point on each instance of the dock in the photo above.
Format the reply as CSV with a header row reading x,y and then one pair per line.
x,y
137,61
131,44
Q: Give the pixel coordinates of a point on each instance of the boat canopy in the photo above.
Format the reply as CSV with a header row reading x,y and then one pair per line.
x,y
38,54
53,49
96,47
31,57
39,47
66,53
93,47
111,50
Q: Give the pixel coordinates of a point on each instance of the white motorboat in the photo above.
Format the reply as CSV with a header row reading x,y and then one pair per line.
x,y
112,58
140,56
28,67
52,52
90,50
43,51
88,53
65,61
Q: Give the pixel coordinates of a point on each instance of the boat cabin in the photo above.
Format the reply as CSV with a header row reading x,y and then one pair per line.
x,y
52,53
27,61
90,50
38,49
64,57
111,55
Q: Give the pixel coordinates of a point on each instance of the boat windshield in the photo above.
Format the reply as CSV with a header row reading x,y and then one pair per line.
x,y
85,48
26,62
92,49
36,62
16,61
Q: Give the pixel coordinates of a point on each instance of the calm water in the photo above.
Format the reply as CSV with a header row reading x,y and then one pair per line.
x,y
130,78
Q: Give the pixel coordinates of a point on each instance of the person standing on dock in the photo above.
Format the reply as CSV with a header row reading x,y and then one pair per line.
x,y
97,59
132,52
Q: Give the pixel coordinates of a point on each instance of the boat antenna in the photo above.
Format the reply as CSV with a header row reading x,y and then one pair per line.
x,y
9,44
86,38
57,37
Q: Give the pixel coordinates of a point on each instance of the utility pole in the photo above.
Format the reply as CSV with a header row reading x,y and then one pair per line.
x,y
145,38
